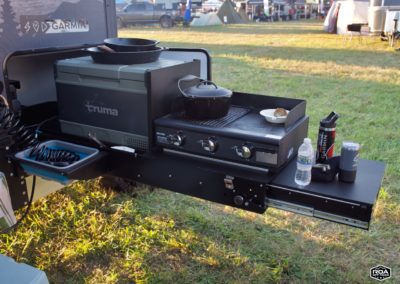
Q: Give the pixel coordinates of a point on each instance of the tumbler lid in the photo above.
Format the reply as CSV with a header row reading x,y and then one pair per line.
x,y
351,146
330,120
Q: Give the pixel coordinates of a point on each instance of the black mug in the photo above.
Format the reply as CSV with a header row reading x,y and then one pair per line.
x,y
348,161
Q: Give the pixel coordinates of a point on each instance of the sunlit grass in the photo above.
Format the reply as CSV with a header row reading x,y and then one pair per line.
x,y
89,234
327,68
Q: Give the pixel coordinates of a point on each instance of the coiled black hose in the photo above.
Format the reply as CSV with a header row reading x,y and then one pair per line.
x,y
23,137
26,137
55,157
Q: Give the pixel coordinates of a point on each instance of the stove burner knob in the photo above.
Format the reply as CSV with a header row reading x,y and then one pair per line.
x,y
244,151
175,139
238,200
209,145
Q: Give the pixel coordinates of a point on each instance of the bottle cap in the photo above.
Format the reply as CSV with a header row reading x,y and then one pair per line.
x,y
307,140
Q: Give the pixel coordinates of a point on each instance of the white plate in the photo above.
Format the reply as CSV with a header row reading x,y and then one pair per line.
x,y
269,116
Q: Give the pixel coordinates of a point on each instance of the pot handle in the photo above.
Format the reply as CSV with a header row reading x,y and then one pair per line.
x,y
186,79
203,82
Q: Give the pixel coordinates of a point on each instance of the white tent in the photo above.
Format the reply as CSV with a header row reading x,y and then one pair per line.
x,y
209,19
348,12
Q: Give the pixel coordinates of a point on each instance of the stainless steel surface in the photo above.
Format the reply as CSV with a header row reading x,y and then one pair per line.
x,y
278,204
309,211
341,219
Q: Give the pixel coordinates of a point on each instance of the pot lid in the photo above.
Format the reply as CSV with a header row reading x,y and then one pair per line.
x,y
206,89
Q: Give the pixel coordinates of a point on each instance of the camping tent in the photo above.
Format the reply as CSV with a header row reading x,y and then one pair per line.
x,y
228,14
209,19
344,13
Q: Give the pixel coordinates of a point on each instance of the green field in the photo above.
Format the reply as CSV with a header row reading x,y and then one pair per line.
x,y
86,233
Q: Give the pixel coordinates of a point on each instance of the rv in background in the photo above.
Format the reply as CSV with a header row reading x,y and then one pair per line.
x,y
380,14
376,15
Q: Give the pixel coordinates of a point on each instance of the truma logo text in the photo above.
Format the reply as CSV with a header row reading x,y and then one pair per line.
x,y
101,110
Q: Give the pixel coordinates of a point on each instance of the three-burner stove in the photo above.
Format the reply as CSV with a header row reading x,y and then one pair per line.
x,y
243,137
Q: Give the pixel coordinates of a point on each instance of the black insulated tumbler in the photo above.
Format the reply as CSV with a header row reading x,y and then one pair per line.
x,y
348,161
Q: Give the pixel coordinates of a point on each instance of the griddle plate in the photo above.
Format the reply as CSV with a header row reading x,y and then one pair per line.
x,y
233,114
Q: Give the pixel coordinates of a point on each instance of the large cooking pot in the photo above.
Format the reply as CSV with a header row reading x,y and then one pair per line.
x,y
205,100
130,44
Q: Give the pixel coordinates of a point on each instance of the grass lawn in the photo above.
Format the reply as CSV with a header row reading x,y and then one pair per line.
x,y
86,233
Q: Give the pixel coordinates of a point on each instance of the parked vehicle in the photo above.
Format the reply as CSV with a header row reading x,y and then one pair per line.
x,y
146,13
120,4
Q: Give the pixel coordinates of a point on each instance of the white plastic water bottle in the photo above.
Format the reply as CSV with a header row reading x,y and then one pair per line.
x,y
305,158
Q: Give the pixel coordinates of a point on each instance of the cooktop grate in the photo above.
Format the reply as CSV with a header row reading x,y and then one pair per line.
x,y
234,113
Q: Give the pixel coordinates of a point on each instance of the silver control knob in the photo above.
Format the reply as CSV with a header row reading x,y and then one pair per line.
x,y
209,145
175,139
244,151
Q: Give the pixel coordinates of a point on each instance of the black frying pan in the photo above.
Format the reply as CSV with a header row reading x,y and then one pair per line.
x,y
124,58
130,44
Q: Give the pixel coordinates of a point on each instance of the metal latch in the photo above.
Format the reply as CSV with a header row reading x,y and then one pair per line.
x,y
95,139
228,180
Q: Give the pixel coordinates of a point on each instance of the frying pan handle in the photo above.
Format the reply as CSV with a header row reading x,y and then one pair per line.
x,y
105,48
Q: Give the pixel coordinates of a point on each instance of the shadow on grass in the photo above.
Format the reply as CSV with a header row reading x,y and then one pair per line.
x,y
80,269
